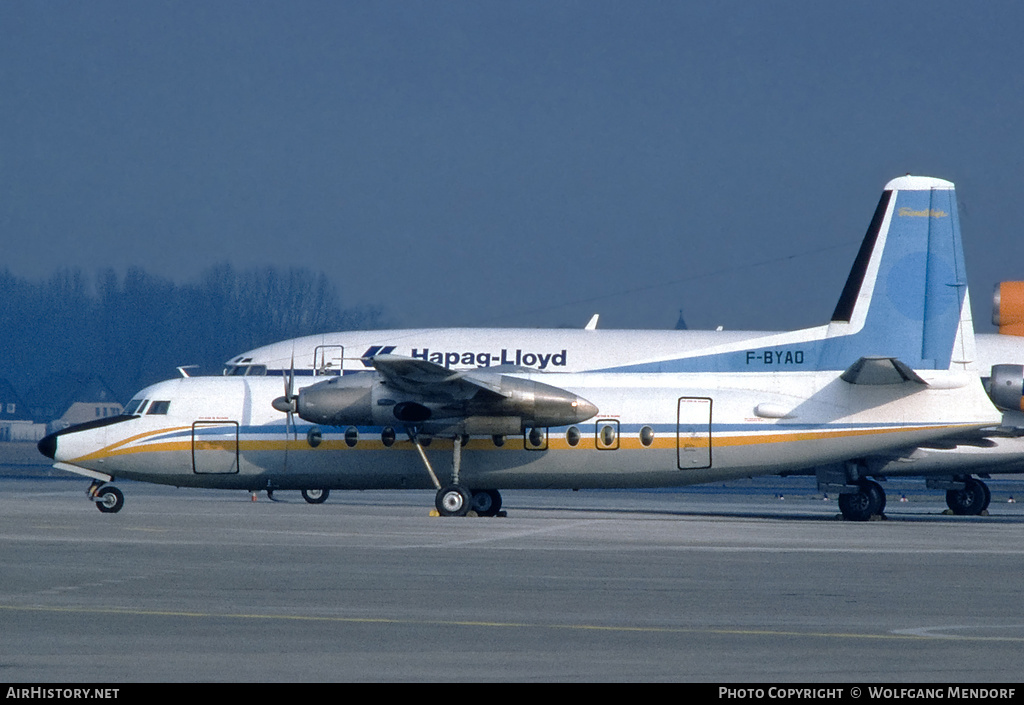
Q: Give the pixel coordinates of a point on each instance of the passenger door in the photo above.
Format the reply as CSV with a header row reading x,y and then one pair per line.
x,y
215,447
693,433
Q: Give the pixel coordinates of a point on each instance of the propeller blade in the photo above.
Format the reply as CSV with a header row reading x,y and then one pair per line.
x,y
293,402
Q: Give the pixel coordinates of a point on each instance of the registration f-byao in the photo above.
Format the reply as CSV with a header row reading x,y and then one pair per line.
x,y
894,368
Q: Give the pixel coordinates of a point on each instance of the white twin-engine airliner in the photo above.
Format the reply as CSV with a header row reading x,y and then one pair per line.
x,y
470,412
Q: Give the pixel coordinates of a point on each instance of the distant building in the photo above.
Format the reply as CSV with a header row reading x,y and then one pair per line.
x,y
87,400
15,423
69,398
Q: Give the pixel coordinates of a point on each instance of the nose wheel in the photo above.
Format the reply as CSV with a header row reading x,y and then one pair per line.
x,y
315,496
108,498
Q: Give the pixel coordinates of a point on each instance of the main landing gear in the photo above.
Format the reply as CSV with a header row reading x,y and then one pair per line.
x,y
455,499
108,498
866,502
458,501
970,500
861,499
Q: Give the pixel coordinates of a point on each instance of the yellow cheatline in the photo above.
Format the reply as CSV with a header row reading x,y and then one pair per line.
x,y
119,449
555,443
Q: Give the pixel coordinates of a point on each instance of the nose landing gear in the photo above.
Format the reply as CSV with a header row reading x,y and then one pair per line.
x,y
108,498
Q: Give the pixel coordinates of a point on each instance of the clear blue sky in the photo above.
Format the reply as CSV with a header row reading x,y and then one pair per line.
x,y
509,163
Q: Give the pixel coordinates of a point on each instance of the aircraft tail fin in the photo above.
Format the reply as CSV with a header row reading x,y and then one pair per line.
x,y
906,296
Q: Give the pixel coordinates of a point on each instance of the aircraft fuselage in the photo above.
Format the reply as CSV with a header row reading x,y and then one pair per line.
x,y
652,430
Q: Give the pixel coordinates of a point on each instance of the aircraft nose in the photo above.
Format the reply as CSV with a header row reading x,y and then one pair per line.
x,y
48,445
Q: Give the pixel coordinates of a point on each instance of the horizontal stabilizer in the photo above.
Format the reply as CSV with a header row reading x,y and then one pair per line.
x,y
880,371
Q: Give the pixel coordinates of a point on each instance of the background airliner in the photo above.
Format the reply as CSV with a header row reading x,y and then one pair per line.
x,y
948,466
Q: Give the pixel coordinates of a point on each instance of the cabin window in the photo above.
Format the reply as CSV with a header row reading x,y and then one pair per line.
x,y
572,436
351,436
314,437
159,408
607,434
537,439
387,437
647,436
498,440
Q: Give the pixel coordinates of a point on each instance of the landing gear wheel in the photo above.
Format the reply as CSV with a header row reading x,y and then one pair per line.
x,y
971,500
881,495
453,501
315,496
868,501
487,503
109,500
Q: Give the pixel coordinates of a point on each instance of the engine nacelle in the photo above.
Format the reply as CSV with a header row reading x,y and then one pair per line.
x,y
1006,387
1008,308
367,400
340,401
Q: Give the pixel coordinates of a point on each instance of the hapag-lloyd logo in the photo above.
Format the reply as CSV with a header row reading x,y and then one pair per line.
x,y
518,357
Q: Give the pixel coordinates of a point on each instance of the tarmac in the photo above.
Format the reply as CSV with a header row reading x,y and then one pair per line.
x,y
754,581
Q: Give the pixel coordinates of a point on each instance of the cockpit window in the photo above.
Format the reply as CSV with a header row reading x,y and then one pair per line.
x,y
245,370
132,407
159,407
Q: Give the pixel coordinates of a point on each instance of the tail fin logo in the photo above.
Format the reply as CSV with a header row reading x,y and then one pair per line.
x,y
905,212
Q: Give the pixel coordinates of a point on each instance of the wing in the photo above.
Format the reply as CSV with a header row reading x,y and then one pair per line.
x,y
426,378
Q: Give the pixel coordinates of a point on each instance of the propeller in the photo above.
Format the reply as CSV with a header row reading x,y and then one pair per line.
x,y
289,403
